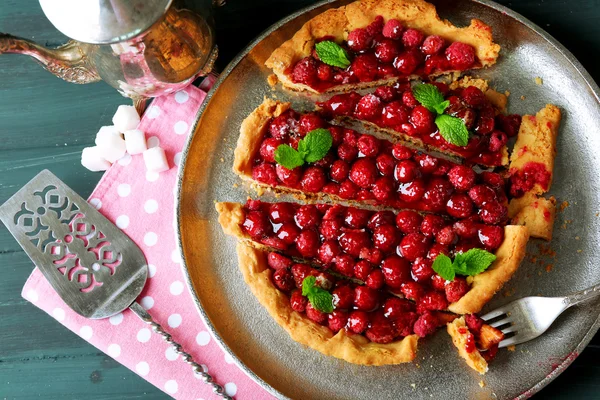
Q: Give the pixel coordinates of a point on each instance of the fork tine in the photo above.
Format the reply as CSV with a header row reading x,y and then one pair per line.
x,y
493,314
501,322
510,329
510,341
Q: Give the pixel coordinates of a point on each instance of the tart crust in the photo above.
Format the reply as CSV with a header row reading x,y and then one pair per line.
x,y
536,142
459,333
483,286
338,22
353,348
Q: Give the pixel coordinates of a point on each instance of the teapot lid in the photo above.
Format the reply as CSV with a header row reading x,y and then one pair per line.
x,y
103,21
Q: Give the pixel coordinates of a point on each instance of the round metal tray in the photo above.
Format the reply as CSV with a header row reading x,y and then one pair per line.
x,y
285,368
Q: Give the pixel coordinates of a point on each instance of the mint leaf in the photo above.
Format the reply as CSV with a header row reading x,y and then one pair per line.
x,y
460,264
430,97
332,54
452,129
477,261
286,156
442,265
308,285
316,143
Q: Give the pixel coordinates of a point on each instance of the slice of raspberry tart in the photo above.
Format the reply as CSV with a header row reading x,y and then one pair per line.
x,y
368,43
373,262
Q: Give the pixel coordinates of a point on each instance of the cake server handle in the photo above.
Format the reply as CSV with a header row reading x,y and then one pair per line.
x,y
205,376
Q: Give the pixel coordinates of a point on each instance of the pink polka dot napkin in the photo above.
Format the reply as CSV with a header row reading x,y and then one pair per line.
x,y
142,205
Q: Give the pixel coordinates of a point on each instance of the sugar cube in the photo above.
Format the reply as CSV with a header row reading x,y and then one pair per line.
x,y
110,143
91,158
156,160
126,118
135,141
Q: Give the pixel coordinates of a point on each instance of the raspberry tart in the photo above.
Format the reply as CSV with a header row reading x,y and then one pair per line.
x,y
368,43
375,256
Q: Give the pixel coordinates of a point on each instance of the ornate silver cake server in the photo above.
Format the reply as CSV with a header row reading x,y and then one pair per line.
x,y
93,266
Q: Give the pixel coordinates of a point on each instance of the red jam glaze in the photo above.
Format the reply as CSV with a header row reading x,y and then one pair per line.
x,y
376,314
524,179
394,107
383,51
364,168
384,250
474,325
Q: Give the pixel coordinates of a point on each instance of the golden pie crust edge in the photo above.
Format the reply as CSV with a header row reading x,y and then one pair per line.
x,y
473,359
352,348
485,285
338,22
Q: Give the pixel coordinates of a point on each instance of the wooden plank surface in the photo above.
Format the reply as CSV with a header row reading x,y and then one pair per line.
x,y
45,122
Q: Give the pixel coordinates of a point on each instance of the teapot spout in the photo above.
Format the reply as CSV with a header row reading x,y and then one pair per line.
x,y
69,61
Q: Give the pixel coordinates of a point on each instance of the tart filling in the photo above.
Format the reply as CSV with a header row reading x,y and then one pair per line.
x,y
382,41
367,169
396,110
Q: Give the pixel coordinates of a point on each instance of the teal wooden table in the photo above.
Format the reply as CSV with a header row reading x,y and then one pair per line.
x,y
45,122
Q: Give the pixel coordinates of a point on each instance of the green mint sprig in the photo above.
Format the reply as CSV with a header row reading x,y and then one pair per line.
x,y
320,298
332,54
471,263
312,148
452,129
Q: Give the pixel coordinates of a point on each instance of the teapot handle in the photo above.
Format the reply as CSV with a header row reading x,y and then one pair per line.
x,y
69,61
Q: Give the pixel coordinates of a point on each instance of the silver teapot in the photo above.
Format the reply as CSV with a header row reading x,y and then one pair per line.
x,y
143,48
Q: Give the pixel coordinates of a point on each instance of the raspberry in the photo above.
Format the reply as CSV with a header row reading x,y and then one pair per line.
x,y
396,271
466,228
485,125
412,191
364,172
357,218
364,67
393,29
426,324
462,178
509,124
395,114
337,320
456,289
305,71
408,98
427,163
460,55
265,173
375,280
408,221
493,213
256,224
277,261
331,228
310,122
339,171
369,145
413,246
254,205
459,206
432,301
381,218
383,189
404,324
374,256
422,119
407,62
436,250
493,179
482,194
281,212
288,177
307,216
288,232
412,291
347,152
380,331
315,315
491,237
267,149
438,283
354,240
297,301
431,224
473,96
474,323
385,71
375,27
359,40
325,72
358,321
348,190
386,50
344,264
465,245
313,179
385,164
283,279
437,194
343,296
385,238
369,107
362,269
279,127
432,45
401,152
406,171
307,243
365,298
435,63
412,38
497,140
341,104
421,270
300,272
394,307
445,236
386,93
328,251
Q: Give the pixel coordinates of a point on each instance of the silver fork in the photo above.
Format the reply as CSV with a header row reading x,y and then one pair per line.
x,y
527,318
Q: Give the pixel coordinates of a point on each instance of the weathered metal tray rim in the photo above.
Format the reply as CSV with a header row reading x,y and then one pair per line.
x,y
225,73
